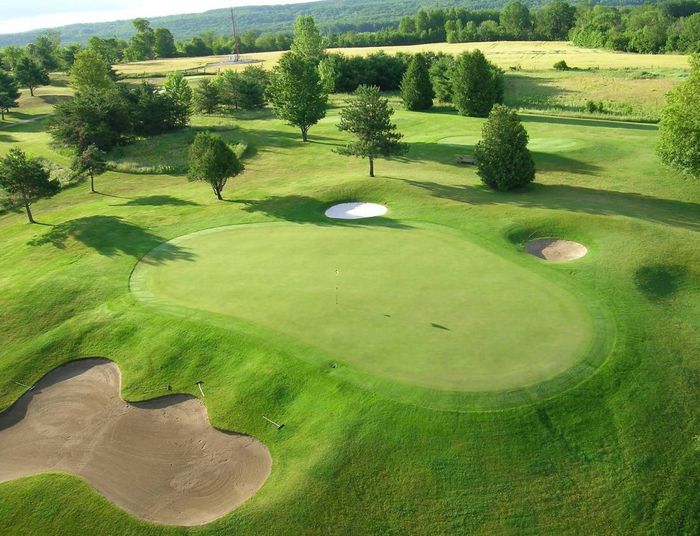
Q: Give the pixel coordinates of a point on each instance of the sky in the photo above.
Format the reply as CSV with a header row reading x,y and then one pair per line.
x,y
33,14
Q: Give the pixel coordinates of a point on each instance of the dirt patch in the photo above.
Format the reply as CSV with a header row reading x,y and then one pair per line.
x,y
554,249
159,460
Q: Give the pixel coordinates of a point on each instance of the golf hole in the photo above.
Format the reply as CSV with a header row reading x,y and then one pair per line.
x,y
356,211
555,249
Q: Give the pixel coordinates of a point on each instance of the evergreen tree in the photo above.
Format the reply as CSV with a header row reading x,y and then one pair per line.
x,y
92,161
31,74
308,42
441,77
503,159
212,161
477,84
25,179
297,93
178,90
8,93
368,116
416,88
679,129
206,97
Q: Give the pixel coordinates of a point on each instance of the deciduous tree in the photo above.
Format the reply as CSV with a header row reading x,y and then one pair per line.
x,y
308,42
297,93
8,93
31,74
368,116
679,129
178,90
212,161
92,161
25,179
90,72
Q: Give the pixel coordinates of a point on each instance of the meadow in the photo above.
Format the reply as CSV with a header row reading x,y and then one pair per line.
x,y
610,445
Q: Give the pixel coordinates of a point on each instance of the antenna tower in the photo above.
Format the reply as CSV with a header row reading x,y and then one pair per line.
x,y
236,57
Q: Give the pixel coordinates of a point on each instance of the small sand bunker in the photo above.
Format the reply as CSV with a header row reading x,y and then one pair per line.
x,y
356,211
553,249
159,460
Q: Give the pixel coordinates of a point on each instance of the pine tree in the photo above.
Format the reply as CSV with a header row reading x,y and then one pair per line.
x,y
8,93
503,159
416,88
206,96
368,116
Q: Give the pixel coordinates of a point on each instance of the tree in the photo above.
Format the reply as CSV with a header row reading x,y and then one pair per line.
x,y
477,84
46,50
441,77
515,20
25,179
308,42
416,88
91,161
368,117
297,93
94,118
30,74
152,110
503,159
212,161
178,90
90,72
141,44
164,44
206,96
8,93
679,128
554,20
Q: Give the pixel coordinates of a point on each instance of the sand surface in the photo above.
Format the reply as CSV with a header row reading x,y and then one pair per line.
x,y
356,211
553,249
159,460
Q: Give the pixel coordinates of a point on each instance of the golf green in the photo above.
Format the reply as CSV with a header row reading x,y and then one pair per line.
x,y
415,304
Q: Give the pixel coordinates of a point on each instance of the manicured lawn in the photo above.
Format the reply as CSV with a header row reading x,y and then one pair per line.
x,y
364,451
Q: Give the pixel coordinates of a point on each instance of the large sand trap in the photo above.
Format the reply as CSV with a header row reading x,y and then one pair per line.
x,y
553,249
160,460
356,211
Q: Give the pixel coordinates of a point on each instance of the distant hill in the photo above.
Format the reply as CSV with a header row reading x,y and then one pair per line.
x,y
330,15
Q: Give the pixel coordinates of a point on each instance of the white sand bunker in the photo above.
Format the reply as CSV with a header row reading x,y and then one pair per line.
x,y
356,211
553,249
159,460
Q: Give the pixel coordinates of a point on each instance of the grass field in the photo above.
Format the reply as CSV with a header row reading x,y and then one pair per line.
x,y
609,446
527,55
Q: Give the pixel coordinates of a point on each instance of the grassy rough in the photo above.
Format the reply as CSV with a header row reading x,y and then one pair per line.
x,y
616,453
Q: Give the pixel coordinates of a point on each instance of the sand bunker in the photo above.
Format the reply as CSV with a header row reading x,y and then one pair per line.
x,y
356,211
160,460
553,249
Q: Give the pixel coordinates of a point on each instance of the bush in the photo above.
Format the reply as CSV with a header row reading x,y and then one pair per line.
x,y
561,66
503,159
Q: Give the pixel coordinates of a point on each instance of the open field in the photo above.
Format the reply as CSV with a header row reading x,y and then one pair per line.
x,y
528,55
459,386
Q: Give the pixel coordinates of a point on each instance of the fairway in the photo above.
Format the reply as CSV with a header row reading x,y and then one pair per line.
x,y
414,303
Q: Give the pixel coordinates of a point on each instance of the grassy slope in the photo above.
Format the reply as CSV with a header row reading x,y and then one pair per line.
x,y
616,454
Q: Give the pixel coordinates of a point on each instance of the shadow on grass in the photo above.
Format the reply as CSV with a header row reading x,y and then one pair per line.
x,y
658,282
159,200
575,199
110,236
303,209
55,99
526,118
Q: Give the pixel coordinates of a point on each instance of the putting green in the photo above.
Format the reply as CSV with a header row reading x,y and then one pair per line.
x,y
417,305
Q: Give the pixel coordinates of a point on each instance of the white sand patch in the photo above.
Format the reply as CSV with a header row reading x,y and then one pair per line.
x,y
553,249
356,211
